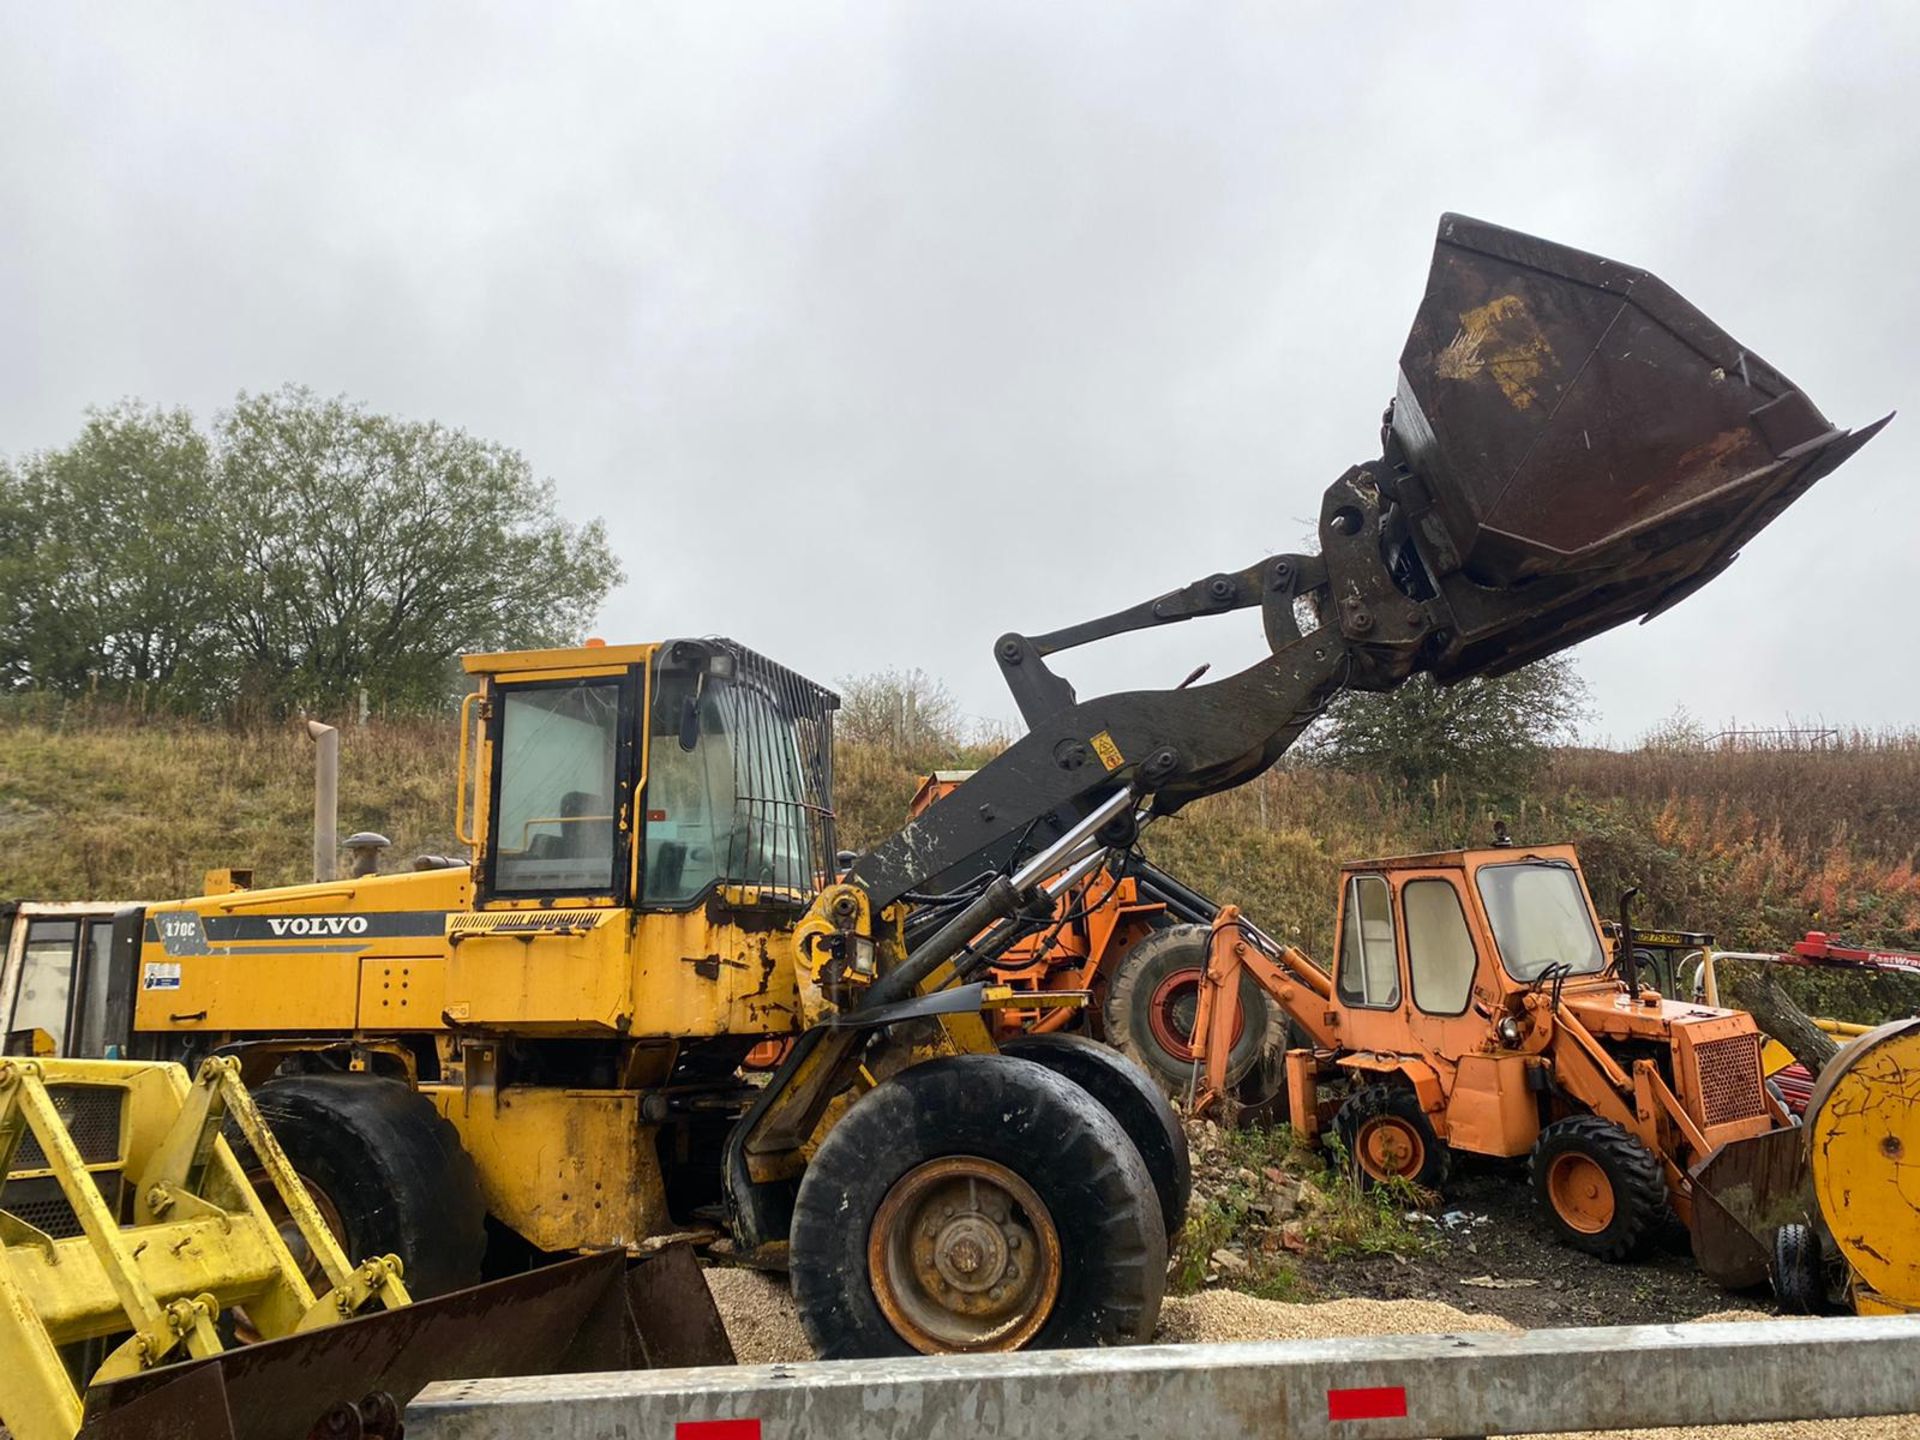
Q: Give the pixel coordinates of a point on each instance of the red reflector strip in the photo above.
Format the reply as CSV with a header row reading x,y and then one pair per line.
x,y
1382,1402
717,1430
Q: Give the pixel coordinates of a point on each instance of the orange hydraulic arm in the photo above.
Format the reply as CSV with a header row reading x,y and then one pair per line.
x,y
1298,986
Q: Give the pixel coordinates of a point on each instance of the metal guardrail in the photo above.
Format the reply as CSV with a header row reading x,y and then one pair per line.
x,y
1401,1387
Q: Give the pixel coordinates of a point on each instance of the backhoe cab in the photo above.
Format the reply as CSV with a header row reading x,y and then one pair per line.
x,y
1474,1006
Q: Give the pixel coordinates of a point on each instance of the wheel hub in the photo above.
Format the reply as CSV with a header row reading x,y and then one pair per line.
x,y
1387,1148
1172,1010
971,1253
963,1255
1581,1192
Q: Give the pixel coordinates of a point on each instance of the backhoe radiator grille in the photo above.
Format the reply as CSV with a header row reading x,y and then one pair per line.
x,y
1730,1083
42,1204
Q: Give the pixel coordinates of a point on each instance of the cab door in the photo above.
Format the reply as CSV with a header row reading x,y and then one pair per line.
x,y
1367,979
57,974
1443,964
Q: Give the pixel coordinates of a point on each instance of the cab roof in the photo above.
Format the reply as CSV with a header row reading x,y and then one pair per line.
x,y
570,657
1466,859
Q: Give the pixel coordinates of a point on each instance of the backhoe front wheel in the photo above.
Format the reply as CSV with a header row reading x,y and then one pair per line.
x,y
386,1171
977,1202
1602,1190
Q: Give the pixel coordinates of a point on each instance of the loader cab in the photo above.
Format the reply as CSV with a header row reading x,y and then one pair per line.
x,y
650,776
1428,946
55,977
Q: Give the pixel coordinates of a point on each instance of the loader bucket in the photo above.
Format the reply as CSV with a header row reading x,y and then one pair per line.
x,y
1742,1193
1593,448
596,1312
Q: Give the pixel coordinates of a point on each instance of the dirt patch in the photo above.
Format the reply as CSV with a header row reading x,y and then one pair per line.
x,y
1488,1230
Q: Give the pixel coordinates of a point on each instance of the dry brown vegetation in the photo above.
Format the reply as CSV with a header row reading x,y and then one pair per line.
x,y
1756,846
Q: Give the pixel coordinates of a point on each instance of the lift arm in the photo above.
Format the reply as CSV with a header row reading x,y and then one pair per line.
x,y
1571,446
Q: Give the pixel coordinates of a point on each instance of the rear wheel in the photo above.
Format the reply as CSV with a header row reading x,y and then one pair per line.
x,y
1153,999
1131,1097
977,1202
1387,1136
1601,1189
385,1169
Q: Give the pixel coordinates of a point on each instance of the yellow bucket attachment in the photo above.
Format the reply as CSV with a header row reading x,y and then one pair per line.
x,y
124,1217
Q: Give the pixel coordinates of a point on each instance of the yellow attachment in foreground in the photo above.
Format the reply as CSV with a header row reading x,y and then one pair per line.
x,y
1865,1144
195,1239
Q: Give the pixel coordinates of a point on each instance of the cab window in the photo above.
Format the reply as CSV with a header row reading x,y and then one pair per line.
x,y
557,773
46,979
1440,956
1369,973
727,796
1538,913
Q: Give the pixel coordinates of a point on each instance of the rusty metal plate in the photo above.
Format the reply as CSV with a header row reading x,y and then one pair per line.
x,y
1575,421
526,1325
1742,1193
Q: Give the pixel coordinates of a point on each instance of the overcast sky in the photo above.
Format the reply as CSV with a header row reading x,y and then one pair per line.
x,y
874,331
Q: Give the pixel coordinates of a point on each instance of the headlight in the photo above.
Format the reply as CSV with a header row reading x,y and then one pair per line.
x,y
1509,1031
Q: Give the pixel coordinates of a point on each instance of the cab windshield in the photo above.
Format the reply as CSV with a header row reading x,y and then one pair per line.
x,y
1538,911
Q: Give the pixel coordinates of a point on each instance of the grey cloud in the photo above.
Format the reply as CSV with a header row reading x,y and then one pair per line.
x,y
877,330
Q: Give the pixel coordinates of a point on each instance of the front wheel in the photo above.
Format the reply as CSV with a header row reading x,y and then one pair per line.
x,y
1602,1190
1130,1096
385,1169
976,1202
1798,1273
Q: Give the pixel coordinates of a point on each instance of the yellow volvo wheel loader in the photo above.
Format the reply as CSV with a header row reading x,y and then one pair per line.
x,y
538,1051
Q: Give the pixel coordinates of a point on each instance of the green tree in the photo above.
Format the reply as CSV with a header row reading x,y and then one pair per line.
x,y
109,573
369,551
1482,739
303,551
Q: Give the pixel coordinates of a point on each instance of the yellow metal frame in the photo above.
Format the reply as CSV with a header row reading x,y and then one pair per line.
x,y
194,1239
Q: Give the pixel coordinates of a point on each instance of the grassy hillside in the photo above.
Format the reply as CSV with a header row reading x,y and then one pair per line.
x,y
106,810
1756,846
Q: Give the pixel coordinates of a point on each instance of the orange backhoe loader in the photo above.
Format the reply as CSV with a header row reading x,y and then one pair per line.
x,y
1475,1007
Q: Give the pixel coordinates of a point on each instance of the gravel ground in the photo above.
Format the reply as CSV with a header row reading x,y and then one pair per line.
x,y
761,1322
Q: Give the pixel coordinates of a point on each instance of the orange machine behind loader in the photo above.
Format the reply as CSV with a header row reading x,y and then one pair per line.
x,y
1118,938
1474,1007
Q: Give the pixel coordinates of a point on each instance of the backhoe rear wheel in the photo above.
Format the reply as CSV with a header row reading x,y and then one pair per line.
x,y
1602,1190
1387,1136
1131,1097
1153,997
976,1202
386,1170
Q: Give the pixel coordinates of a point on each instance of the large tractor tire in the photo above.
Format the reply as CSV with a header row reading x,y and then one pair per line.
x,y
976,1202
1152,999
1387,1136
1131,1097
385,1169
1602,1190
